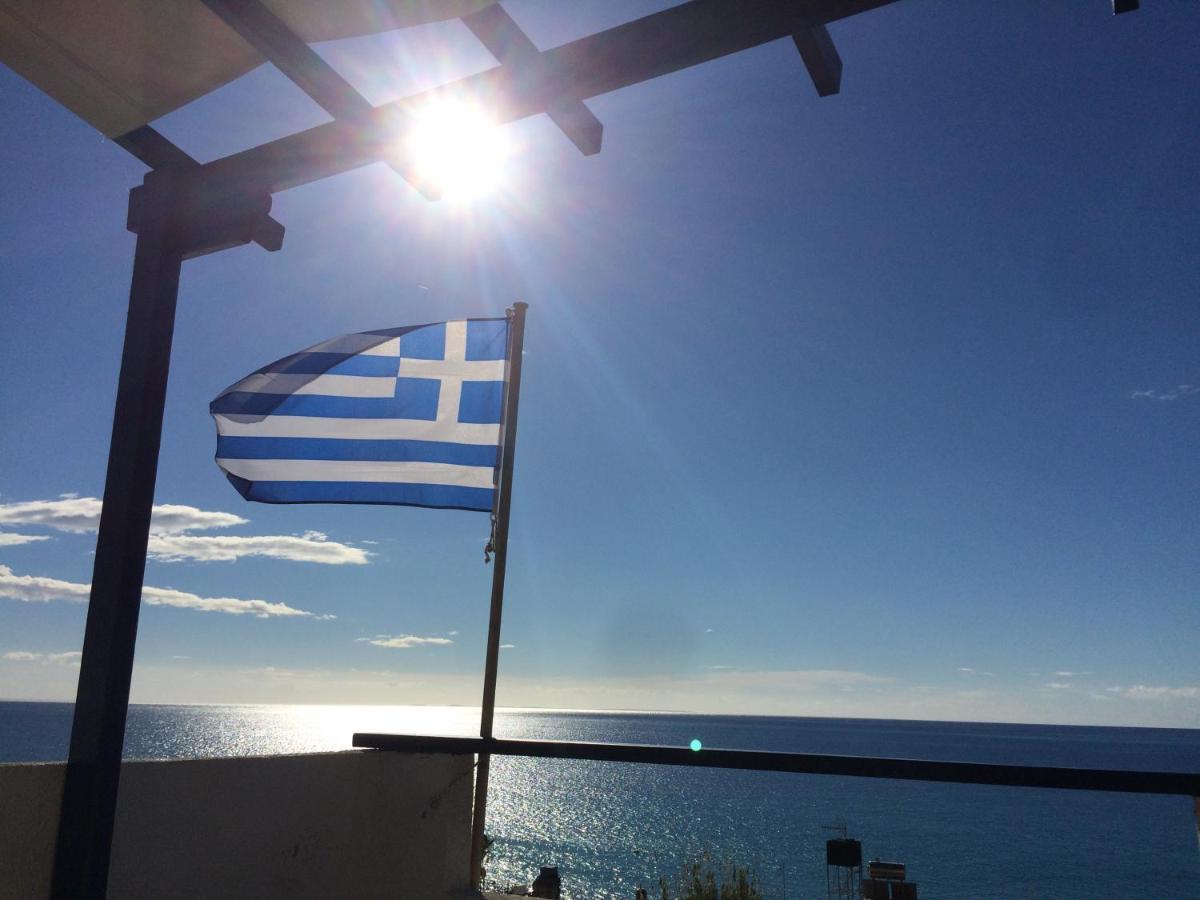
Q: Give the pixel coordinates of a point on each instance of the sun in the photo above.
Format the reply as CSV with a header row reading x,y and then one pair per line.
x,y
454,150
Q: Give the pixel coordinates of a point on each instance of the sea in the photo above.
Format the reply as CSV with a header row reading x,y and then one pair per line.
x,y
611,827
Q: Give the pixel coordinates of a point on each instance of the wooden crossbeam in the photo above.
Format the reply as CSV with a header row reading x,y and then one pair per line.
x,y
676,38
303,66
512,47
820,58
156,151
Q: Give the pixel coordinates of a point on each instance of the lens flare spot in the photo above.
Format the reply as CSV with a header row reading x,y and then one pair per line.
x,y
695,744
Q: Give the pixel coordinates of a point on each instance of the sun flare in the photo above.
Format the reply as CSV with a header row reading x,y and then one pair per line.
x,y
456,151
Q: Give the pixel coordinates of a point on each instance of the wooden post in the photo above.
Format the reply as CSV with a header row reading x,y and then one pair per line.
x,y
89,801
173,222
508,446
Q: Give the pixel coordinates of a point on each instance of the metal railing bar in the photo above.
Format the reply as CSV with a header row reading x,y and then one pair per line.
x,y
1064,778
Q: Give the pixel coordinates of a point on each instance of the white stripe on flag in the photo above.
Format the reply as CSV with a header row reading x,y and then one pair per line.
x,y
360,429
326,385
387,348
350,386
467,369
338,470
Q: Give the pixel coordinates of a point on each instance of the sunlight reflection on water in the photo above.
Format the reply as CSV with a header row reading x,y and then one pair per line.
x,y
612,827
161,732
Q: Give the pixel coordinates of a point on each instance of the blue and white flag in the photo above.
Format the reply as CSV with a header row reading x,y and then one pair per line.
x,y
400,416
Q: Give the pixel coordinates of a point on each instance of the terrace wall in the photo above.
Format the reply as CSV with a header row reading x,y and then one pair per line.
x,y
354,824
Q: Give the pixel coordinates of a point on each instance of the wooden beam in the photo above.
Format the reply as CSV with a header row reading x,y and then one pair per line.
x,y
303,66
159,153
820,58
512,47
676,38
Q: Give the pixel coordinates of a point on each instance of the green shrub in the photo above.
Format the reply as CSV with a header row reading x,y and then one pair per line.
x,y
703,881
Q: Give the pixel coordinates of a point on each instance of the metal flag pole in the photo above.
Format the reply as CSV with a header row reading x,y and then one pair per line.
x,y
499,546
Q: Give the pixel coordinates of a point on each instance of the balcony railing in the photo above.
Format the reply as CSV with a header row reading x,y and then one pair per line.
x,y
1067,778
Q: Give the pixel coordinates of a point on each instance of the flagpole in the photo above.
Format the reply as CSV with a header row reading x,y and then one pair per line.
x,y
512,394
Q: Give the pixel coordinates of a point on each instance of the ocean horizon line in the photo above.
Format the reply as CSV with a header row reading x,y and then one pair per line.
x,y
566,711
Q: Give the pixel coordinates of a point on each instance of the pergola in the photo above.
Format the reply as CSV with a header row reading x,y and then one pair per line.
x,y
120,64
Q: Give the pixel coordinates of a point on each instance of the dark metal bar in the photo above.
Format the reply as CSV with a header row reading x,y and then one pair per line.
x,y
1124,6
674,39
1182,783
511,46
98,731
499,543
820,58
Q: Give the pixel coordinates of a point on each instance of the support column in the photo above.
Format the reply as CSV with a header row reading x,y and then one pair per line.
x,y
175,219
85,827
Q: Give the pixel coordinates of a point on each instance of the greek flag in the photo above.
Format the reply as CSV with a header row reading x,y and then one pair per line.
x,y
400,416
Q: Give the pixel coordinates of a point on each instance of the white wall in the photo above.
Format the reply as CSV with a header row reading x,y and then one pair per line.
x,y
354,824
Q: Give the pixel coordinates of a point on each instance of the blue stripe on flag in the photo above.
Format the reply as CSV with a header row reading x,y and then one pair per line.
x,y
355,449
442,496
335,364
425,343
416,398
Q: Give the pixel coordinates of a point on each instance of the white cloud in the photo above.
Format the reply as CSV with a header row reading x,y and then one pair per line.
x,y
169,540
452,633
81,515
1180,390
311,547
1156,692
966,669
261,609
508,646
39,589
1059,685
406,641
70,658
8,539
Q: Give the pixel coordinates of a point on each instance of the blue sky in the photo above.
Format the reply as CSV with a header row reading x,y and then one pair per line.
x,y
881,404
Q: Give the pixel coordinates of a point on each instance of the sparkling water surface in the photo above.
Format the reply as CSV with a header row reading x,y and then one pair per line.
x,y
612,827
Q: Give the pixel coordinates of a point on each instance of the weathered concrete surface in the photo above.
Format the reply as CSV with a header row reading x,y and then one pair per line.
x,y
355,824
